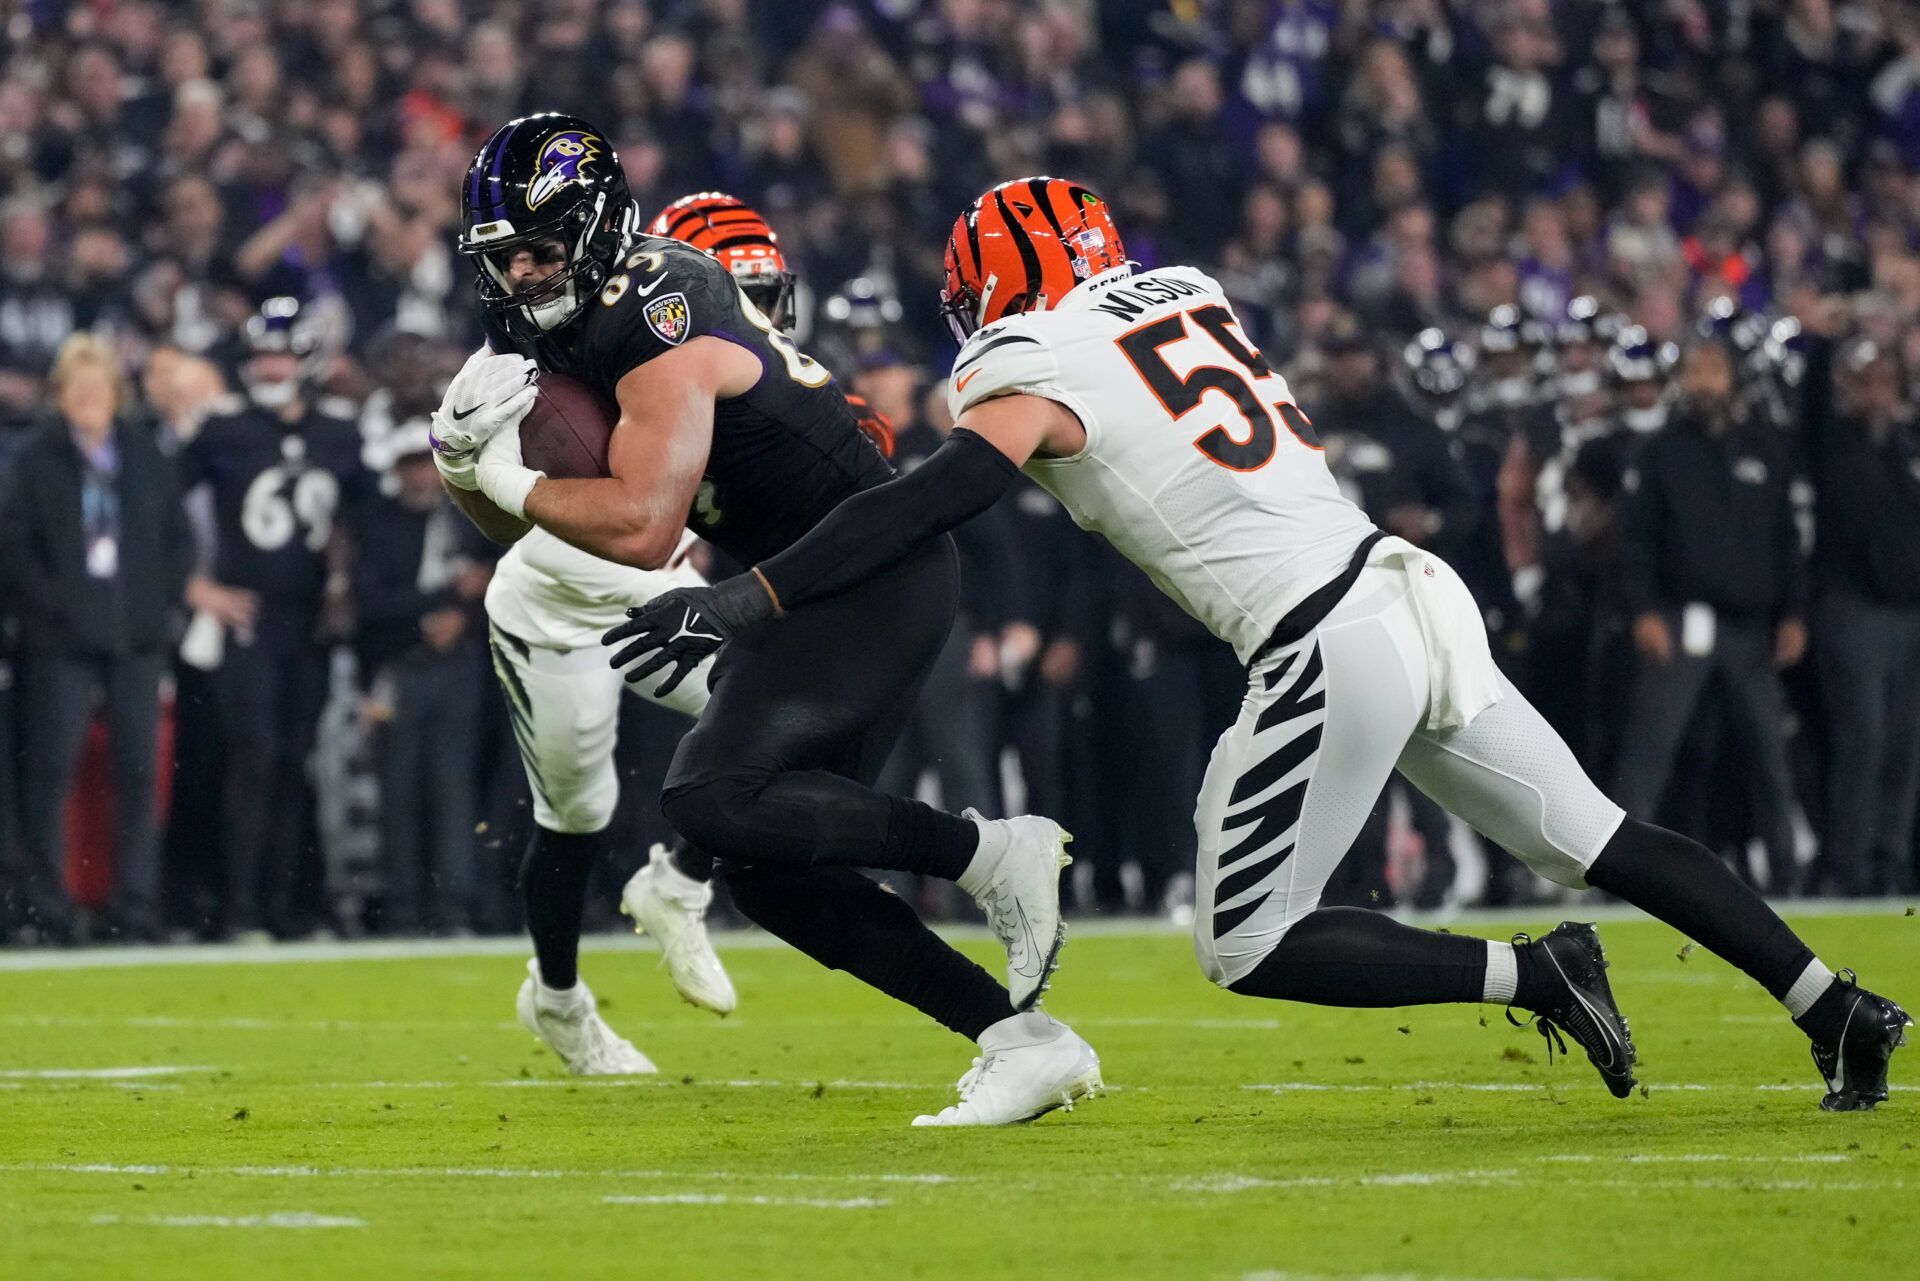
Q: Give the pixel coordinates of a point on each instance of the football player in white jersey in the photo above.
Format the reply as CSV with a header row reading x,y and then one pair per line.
x,y
548,604
1136,399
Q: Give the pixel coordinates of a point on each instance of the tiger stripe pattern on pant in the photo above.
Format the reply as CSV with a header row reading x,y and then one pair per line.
x,y
1263,810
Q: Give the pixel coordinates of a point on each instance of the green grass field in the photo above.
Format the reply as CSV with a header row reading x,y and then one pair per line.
x,y
385,1117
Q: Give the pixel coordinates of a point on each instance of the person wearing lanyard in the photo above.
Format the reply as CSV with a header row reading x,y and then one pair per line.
x,y
97,555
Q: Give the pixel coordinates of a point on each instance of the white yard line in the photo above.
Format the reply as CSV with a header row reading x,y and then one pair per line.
x,y
100,1074
467,1172
281,1219
1689,1158
617,1082
703,1198
748,939
178,1022
1410,1179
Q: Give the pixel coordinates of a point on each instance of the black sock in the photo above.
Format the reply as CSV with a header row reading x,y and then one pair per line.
x,y
929,841
1350,956
1680,882
692,862
1535,984
1827,1017
847,922
553,884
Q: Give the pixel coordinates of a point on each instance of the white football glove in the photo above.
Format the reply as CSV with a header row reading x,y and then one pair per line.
x,y
500,474
487,398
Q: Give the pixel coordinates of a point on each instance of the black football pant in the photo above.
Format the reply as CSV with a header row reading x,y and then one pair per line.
x,y
1869,661
268,697
428,792
775,782
58,695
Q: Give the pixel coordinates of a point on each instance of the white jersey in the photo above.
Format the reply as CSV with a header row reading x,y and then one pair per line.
x,y
1198,467
547,592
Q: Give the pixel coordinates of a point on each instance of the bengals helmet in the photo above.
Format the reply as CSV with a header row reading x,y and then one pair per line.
x,y
549,183
1021,247
730,230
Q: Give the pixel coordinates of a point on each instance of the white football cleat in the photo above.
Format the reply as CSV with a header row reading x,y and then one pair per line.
x,y
569,1022
670,905
1029,1065
1015,878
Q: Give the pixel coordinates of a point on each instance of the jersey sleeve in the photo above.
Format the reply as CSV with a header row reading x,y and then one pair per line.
x,y
664,294
1002,360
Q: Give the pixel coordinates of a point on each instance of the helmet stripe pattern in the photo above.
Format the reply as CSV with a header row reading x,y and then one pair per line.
x,y
734,232
1034,239
1029,256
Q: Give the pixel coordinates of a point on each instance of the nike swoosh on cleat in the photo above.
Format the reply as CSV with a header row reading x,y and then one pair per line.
x,y
1600,1023
1034,961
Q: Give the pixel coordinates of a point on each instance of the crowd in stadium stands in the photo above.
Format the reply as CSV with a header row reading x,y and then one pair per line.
x,y
1616,303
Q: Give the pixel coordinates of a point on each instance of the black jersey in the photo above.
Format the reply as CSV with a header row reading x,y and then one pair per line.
x,y
276,487
784,454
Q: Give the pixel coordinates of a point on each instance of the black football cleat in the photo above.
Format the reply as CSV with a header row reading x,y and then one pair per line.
x,y
1853,1062
1570,956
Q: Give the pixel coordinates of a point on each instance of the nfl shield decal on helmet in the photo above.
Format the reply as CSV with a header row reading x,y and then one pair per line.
x,y
563,159
667,316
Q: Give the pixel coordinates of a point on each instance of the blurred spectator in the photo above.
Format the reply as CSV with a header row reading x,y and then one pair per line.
x,y
417,586
1866,621
1383,450
1716,586
36,314
950,734
275,467
1412,165
1198,161
97,552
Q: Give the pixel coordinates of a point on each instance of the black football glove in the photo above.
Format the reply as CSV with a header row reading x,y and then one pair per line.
x,y
683,627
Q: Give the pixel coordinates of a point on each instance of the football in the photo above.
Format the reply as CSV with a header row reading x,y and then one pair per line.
x,y
566,432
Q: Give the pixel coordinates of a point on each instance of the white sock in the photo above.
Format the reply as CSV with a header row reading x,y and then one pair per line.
x,y
1031,1028
1503,974
1808,988
677,886
994,841
561,1002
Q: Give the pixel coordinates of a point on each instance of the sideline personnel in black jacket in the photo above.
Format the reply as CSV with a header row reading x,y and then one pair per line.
x,y
96,553
1865,465
1716,585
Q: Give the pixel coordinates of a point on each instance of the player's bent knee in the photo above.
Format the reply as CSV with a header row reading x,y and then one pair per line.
x,y
1230,956
713,816
582,816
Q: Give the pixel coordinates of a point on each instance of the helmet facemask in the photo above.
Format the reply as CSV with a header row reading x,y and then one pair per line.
x,y
590,237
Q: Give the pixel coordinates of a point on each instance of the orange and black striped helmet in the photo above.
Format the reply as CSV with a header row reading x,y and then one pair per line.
x,y
732,231
1021,247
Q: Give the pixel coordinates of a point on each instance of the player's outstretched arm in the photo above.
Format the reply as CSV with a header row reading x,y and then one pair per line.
x,y
863,536
879,527
657,455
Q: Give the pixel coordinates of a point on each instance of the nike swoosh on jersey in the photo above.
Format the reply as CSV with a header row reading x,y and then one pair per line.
x,y
641,291
961,384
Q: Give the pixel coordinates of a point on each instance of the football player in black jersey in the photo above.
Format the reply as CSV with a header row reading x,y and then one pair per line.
x,y
726,428
275,466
